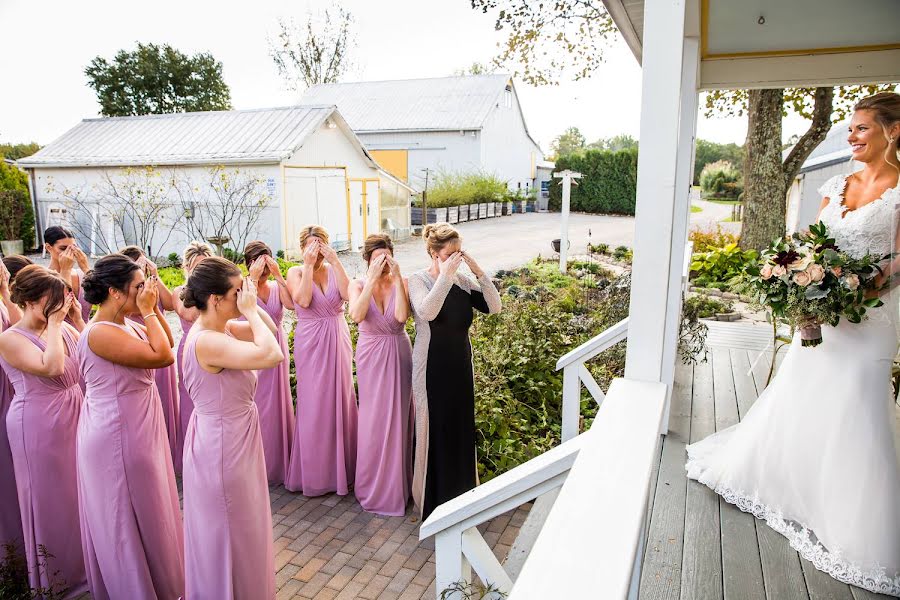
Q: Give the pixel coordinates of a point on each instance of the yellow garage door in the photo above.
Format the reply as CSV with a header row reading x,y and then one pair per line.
x,y
395,162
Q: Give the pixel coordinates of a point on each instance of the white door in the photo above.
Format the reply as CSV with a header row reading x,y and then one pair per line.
x,y
315,197
357,207
373,206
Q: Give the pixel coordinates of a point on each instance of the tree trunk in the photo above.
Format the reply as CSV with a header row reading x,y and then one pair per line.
x,y
764,188
818,130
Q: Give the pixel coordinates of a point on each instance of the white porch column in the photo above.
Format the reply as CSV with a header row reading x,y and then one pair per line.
x,y
668,118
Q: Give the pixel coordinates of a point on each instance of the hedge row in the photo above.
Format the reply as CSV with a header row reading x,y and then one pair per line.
x,y
608,185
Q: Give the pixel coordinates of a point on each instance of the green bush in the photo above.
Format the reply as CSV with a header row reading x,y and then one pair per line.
x,y
12,209
705,306
14,180
718,267
456,189
704,241
608,185
721,180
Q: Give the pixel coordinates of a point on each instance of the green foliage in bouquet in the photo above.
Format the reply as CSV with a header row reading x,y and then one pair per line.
x,y
807,280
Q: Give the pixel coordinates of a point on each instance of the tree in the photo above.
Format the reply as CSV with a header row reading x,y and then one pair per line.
x,y
623,141
17,151
226,208
706,152
318,51
571,140
15,181
476,68
132,205
768,177
157,79
548,41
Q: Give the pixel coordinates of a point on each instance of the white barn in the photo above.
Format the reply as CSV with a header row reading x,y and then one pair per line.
x,y
466,123
305,160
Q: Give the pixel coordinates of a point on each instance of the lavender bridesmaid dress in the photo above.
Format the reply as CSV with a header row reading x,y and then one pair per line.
x,y
273,399
167,385
227,516
323,458
386,419
131,529
10,518
185,405
46,409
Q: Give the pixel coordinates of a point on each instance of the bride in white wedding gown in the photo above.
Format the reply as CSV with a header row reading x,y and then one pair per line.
x,y
815,457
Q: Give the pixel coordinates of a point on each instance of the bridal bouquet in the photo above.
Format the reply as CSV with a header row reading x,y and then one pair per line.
x,y
807,280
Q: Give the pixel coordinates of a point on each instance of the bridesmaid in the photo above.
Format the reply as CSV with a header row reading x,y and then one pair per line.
x,y
15,263
38,354
227,516
167,378
193,254
443,383
380,305
323,457
273,389
130,524
10,518
64,252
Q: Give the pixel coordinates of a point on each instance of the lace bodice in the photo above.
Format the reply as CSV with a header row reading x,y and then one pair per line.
x,y
866,230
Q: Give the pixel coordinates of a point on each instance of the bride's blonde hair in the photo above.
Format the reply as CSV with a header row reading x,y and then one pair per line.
x,y
885,107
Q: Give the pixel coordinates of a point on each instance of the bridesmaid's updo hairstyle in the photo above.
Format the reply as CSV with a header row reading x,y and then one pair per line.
x,y
55,233
885,107
33,283
254,250
195,250
438,236
377,241
313,231
112,271
211,276
15,263
132,252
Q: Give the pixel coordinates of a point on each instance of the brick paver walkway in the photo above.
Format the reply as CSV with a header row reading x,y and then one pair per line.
x,y
329,548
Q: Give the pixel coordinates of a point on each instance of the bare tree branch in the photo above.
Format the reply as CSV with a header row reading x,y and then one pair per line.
x,y
317,52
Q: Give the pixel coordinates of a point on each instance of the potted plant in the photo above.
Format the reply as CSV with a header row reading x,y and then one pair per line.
x,y
439,214
12,209
473,212
453,214
492,209
531,201
482,210
463,212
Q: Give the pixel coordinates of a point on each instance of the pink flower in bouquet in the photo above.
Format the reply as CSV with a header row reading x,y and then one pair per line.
x,y
778,271
801,263
802,278
766,272
816,272
837,271
852,281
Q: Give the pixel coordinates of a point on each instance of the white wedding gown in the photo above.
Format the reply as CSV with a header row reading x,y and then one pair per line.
x,y
815,457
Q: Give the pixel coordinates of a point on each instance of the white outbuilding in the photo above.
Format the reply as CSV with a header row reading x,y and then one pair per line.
x,y
470,123
281,168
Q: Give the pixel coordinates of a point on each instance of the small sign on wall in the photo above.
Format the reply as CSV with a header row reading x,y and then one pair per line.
x,y
270,187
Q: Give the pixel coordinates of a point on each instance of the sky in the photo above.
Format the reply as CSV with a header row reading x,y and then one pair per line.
x,y
46,90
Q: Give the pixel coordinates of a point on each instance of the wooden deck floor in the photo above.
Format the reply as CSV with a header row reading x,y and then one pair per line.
x,y
699,546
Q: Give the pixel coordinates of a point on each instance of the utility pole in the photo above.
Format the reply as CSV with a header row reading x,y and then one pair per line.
x,y
425,199
567,181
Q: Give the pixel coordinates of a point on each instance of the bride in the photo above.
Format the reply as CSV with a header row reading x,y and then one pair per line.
x,y
816,457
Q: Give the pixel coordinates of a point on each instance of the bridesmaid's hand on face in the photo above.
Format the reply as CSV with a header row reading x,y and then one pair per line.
x,y
67,259
274,269
246,297
311,252
328,253
376,267
256,268
4,280
60,314
473,266
82,259
148,296
394,266
448,267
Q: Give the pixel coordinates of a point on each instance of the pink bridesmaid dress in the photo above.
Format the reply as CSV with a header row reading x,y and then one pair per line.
x,y
227,517
384,460
166,380
131,529
323,457
273,399
46,409
185,405
10,518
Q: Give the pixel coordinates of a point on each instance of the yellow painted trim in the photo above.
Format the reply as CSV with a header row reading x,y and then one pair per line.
x,y
705,53
365,201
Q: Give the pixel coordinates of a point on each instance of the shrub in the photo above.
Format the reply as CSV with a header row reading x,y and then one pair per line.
x,y
608,185
13,179
456,188
622,253
721,180
705,306
717,268
599,248
174,259
704,241
12,209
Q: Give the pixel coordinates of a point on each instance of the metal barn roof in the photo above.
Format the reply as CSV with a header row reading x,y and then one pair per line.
x,y
266,135
436,104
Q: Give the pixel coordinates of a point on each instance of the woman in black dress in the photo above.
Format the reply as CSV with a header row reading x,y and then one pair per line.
x,y
443,382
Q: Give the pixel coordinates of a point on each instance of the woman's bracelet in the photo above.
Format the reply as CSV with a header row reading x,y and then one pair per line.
x,y
153,314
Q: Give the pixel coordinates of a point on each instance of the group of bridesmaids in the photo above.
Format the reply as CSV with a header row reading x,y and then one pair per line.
x,y
100,416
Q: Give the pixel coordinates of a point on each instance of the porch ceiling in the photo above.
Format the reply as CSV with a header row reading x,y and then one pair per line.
x,y
801,42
